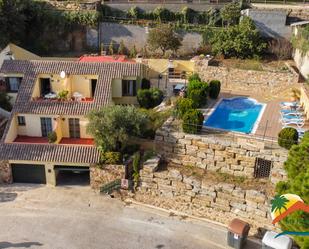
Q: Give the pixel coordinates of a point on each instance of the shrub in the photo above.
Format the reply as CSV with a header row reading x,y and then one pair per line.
x,y
183,105
52,137
149,98
214,88
192,121
110,158
145,84
287,137
194,77
195,88
296,167
197,97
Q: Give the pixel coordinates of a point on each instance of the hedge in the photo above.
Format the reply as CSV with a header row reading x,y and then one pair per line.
x,y
214,88
192,121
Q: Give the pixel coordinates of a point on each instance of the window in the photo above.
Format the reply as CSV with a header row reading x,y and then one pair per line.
x,y
13,83
46,126
128,87
262,168
21,120
74,128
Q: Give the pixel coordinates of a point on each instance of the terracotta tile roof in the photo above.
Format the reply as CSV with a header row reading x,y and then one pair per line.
x,y
106,73
49,153
30,69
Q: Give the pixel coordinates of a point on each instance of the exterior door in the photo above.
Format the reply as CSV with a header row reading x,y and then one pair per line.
x,y
74,128
46,126
27,173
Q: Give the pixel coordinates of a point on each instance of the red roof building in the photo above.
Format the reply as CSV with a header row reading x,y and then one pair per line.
x,y
116,58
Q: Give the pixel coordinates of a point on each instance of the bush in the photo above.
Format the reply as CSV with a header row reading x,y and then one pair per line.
x,y
149,98
296,167
214,88
198,92
197,97
52,137
194,77
287,137
183,105
192,121
110,158
145,84
136,164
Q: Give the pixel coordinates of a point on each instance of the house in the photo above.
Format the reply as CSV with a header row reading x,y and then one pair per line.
x,y
14,52
301,59
26,154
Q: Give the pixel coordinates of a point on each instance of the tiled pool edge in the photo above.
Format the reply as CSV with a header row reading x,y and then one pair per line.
x,y
259,118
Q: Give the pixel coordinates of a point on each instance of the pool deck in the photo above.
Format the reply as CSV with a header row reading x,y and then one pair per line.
x,y
269,125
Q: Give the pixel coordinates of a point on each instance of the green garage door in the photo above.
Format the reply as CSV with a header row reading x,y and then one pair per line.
x,y
28,173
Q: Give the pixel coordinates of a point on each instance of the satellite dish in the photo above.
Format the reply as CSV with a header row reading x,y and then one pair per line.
x,y
62,74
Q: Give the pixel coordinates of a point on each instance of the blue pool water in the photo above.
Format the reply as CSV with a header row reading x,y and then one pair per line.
x,y
236,114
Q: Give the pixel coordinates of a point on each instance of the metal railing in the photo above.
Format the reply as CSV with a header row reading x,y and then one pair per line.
x,y
111,186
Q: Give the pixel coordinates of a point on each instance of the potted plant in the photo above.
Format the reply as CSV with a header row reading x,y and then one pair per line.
x,y
63,95
52,137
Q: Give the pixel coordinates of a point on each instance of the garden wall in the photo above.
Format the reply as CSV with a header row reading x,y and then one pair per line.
x,y
174,190
5,172
136,35
218,153
102,175
247,80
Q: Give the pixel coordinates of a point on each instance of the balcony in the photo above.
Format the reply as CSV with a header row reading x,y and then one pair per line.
x,y
44,140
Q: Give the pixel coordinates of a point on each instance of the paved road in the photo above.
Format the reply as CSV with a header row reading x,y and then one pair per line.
x,y
42,217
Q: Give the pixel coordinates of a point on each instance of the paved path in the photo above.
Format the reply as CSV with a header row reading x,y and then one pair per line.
x,y
67,218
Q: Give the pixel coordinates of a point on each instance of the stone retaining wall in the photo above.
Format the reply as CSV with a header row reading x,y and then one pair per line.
x,y
246,80
5,172
102,175
217,153
171,189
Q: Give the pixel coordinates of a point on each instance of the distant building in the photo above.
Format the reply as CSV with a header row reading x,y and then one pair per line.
x,y
271,23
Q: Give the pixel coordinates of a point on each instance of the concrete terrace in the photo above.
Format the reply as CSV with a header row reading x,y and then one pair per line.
x,y
269,125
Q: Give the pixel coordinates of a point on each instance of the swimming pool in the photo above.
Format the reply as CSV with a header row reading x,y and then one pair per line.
x,y
236,114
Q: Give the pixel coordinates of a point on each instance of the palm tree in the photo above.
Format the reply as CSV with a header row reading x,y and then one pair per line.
x,y
278,203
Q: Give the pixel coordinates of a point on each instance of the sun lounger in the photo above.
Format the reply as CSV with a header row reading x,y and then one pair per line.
x,y
289,123
287,111
291,105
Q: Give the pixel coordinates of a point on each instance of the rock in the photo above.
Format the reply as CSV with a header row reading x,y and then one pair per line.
x,y
255,196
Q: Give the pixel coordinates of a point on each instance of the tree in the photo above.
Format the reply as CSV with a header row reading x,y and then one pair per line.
x,y
111,48
297,183
111,126
241,41
122,48
134,12
230,13
163,38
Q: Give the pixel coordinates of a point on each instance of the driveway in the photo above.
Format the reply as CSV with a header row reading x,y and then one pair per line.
x,y
34,216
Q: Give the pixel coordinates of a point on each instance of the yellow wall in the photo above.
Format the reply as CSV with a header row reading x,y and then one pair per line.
x,y
125,101
117,88
33,125
72,83
83,126
12,132
157,66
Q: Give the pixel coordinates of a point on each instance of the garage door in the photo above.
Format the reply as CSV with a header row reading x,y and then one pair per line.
x,y
28,173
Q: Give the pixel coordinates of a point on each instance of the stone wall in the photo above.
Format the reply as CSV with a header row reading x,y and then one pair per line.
x,y
5,172
246,80
102,175
218,153
174,190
